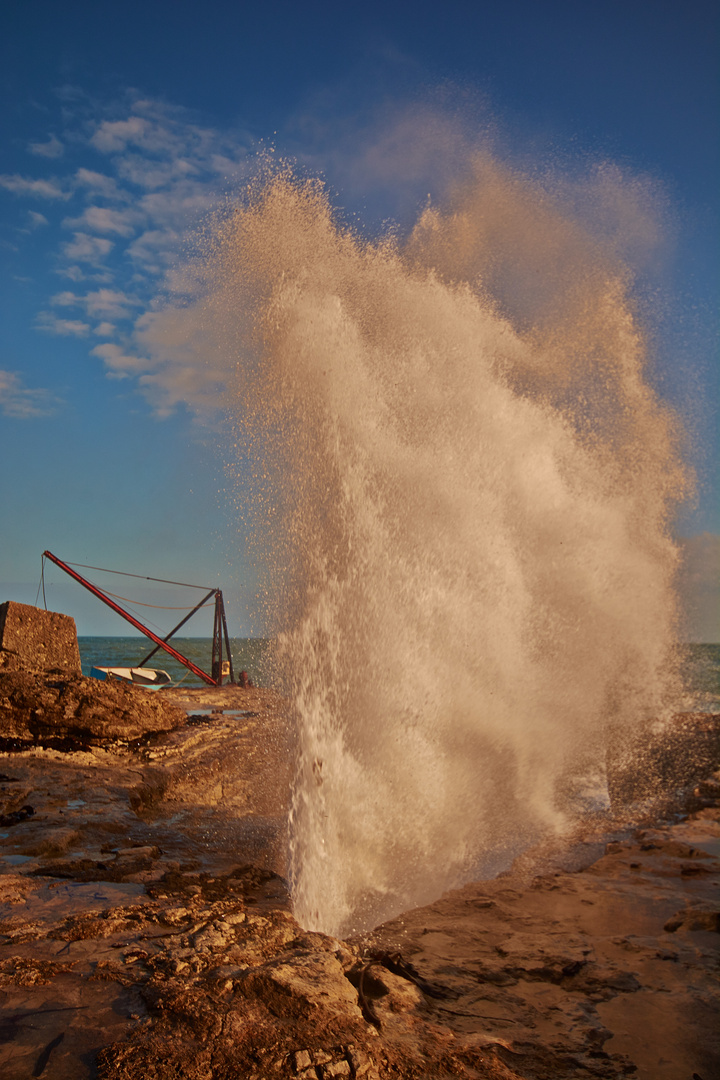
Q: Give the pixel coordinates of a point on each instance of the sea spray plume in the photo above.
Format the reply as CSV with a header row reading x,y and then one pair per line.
x,y
461,485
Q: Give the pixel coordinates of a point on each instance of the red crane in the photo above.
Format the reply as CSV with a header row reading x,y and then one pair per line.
x,y
220,630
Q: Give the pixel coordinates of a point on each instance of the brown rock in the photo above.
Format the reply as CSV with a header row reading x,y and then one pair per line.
x,y
694,919
37,707
290,986
35,640
604,970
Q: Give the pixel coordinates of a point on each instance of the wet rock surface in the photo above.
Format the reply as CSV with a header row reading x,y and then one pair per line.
x,y
146,932
608,971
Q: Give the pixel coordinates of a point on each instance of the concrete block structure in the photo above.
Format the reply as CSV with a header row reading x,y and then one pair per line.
x,y
35,640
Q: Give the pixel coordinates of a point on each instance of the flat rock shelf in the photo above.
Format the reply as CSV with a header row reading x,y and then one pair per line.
x,y
146,930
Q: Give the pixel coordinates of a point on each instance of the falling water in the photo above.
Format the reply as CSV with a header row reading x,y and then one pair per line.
x,y
461,483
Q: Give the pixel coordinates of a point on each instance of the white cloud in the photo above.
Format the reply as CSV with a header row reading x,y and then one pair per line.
x,y
227,166
186,204
100,184
50,323
109,302
163,132
53,148
65,299
73,273
119,363
186,365
25,185
112,136
152,174
20,402
104,303
154,249
157,146
104,220
87,248
161,175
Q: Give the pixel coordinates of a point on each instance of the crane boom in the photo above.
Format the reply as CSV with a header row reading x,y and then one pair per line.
x,y
135,622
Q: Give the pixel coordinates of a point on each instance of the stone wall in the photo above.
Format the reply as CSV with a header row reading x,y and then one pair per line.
x,y
35,640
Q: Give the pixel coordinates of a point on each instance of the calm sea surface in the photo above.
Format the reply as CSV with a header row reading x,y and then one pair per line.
x,y
248,654
254,655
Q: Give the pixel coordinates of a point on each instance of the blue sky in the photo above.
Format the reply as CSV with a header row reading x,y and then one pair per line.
x,y
123,126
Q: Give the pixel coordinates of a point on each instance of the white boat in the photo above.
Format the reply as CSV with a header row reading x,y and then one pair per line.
x,y
149,678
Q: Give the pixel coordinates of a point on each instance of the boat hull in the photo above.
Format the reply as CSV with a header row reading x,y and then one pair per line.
x,y
148,678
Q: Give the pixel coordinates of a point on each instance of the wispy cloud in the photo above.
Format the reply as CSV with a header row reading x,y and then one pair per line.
x,y
119,362
154,250
105,329
185,365
22,403
114,136
86,248
51,324
189,203
104,303
103,219
53,148
98,184
152,174
25,185
140,176
72,273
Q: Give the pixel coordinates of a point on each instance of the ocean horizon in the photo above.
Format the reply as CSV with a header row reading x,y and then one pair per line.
x,y
701,668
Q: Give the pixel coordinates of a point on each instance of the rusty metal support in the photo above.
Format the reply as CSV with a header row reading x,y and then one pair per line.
x,y
133,621
175,629
227,640
220,632
216,663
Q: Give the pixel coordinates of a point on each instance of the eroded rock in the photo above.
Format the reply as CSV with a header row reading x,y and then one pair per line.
x,y
137,924
35,707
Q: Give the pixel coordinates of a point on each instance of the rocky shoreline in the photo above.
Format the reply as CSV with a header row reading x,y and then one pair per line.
x,y
146,930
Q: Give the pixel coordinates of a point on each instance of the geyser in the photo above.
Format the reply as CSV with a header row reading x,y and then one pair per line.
x,y
460,483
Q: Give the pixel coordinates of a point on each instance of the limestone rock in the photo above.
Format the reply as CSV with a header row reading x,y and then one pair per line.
x,y
33,706
35,640
137,936
292,985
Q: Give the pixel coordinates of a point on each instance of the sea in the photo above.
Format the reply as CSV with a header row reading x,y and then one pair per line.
x,y
701,666
253,655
